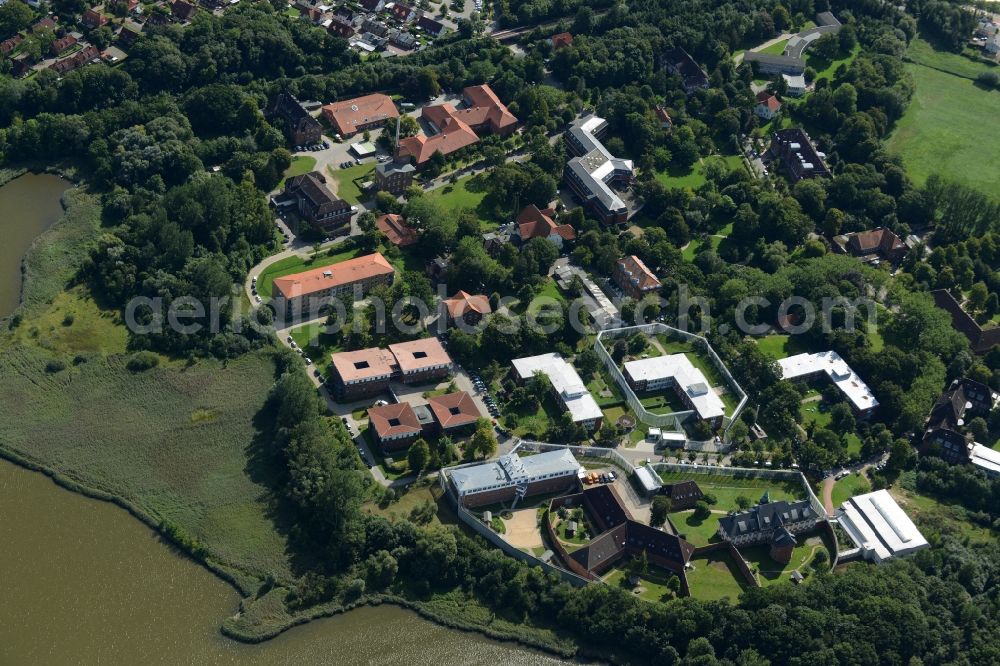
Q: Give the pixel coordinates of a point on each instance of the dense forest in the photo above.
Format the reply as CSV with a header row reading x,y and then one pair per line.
x,y
147,135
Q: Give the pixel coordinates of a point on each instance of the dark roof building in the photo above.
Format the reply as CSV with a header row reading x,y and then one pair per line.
x,y
981,339
679,62
682,495
300,127
767,522
798,155
880,242
430,26
619,536
315,202
963,400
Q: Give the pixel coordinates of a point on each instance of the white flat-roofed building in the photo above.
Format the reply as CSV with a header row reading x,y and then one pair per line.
x,y
676,371
566,383
805,366
511,476
985,459
879,527
648,479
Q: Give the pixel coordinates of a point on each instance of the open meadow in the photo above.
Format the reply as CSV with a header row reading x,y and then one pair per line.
x,y
951,127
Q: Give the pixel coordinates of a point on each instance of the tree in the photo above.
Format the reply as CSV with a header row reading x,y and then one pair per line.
x,y
978,296
979,430
842,418
14,17
901,456
743,502
659,509
702,510
587,362
483,442
418,456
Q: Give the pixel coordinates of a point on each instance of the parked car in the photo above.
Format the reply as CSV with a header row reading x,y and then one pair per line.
x,y
308,360
257,298
288,339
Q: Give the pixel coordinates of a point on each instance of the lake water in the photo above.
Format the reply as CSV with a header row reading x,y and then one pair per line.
x,y
28,206
83,582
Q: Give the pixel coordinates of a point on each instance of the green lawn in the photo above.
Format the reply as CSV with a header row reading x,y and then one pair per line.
x,y
825,69
652,584
848,487
727,488
533,424
770,572
318,344
300,164
694,177
698,531
691,249
778,48
297,264
923,52
459,195
815,412
347,180
600,384
714,576
951,127
415,497
780,346
665,402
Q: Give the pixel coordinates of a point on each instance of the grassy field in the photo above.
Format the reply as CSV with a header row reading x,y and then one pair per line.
x,y
951,127
459,195
715,576
300,164
848,487
173,441
815,412
698,531
770,572
727,488
652,584
72,324
416,496
318,345
778,48
825,69
695,177
923,52
297,264
347,180
780,346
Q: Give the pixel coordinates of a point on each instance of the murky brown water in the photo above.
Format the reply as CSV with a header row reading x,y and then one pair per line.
x,y
28,206
82,582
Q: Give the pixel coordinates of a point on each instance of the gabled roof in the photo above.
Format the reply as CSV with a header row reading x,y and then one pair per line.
x,y
454,410
396,230
562,39
535,223
875,240
454,135
483,101
430,25
636,271
768,100
394,420
764,517
464,302
982,340
347,115
683,490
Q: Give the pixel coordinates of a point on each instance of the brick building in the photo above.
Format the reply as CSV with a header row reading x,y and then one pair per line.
x,y
309,290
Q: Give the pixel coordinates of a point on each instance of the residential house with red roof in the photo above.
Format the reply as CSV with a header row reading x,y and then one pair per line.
x,y
634,278
768,105
396,230
92,18
350,116
394,426
561,40
467,307
535,223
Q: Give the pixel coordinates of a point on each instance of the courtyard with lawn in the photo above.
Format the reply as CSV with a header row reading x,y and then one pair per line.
x,y
713,576
653,585
466,193
779,346
769,572
348,181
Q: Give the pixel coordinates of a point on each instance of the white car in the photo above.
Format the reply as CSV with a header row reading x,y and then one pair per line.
x,y
257,298
293,345
308,360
